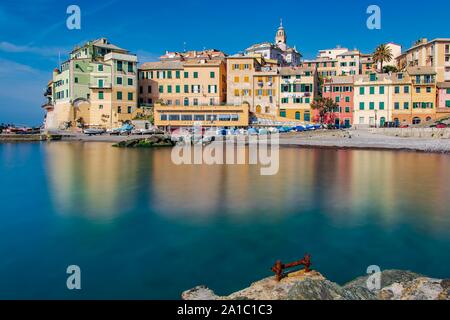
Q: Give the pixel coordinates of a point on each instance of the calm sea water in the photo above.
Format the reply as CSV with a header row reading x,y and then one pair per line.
x,y
141,227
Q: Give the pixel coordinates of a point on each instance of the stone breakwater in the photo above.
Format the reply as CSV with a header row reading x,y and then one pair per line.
x,y
395,285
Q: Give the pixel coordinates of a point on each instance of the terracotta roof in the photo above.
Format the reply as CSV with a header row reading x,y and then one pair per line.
x,y
295,70
443,85
416,71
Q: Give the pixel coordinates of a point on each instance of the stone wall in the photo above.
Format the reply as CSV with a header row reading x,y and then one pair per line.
x,y
427,133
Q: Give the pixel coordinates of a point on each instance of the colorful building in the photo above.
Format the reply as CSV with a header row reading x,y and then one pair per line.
x,y
279,51
424,53
372,100
424,93
443,105
172,117
253,80
298,88
348,63
340,90
367,65
96,87
401,98
184,82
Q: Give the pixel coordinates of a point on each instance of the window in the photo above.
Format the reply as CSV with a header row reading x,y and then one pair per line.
x,y
129,109
163,117
284,100
297,116
186,74
186,102
195,75
119,80
76,80
406,89
373,77
361,91
372,90
347,109
283,113
382,90
149,89
174,117
372,105
236,79
141,90
246,79
448,91
177,74
186,117
307,116
100,107
130,96
100,95
447,104
338,99
161,89
406,105
100,67
361,106
100,83
397,105
119,95
169,89
417,90
177,88
130,81
381,105
212,74
195,102
186,88
119,66
130,67
169,74
347,99
119,109
428,89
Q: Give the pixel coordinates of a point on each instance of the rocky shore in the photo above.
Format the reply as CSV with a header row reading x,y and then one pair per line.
x,y
395,285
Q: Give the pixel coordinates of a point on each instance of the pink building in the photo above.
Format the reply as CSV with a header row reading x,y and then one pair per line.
x,y
443,106
340,89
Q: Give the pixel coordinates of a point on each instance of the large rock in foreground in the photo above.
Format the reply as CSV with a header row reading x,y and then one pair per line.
x,y
395,285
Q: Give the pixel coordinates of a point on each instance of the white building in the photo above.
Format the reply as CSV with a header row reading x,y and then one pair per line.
x,y
279,50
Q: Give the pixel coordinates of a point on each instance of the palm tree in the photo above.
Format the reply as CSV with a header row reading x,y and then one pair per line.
x,y
382,54
324,106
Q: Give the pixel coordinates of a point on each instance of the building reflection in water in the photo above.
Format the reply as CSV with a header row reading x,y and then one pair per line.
x,y
96,180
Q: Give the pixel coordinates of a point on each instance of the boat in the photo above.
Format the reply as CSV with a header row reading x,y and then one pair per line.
x,y
94,131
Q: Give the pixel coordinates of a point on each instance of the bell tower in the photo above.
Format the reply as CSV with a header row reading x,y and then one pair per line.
x,y
280,38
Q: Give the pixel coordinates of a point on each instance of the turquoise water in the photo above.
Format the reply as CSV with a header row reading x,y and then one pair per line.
x,y
140,227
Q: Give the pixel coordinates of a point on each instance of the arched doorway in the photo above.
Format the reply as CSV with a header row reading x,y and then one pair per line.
x,y
258,109
416,120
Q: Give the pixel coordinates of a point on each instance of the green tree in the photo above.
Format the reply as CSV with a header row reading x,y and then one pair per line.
x,y
388,69
382,54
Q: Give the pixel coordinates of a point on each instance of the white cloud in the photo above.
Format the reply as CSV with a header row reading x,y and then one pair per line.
x,y
42,51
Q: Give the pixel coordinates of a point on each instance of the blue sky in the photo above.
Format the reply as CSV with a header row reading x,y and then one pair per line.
x,y
33,33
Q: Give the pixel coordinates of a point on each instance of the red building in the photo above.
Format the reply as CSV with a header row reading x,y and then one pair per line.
x,y
340,89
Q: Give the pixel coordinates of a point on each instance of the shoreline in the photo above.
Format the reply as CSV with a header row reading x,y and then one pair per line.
x,y
338,140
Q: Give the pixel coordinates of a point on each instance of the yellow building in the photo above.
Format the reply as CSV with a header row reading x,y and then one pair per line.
x,y
424,53
253,80
168,117
424,93
402,98
193,82
298,88
96,87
